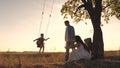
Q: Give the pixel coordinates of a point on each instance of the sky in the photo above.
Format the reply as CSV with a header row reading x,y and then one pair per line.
x,y
22,21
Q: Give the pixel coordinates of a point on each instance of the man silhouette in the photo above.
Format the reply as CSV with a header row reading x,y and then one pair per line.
x,y
69,38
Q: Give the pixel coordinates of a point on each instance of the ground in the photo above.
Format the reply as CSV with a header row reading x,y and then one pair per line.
x,y
55,60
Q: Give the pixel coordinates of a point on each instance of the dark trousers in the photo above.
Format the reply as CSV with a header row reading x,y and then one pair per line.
x,y
68,44
67,54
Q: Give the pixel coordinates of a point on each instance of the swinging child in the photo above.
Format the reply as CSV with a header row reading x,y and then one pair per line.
x,y
40,42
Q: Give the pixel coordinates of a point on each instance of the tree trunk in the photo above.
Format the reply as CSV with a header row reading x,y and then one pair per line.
x,y
98,45
95,15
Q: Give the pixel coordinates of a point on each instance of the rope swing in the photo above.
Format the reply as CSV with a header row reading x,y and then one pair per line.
x,y
42,15
48,19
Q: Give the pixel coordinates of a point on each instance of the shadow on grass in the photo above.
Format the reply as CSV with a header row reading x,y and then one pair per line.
x,y
107,62
54,60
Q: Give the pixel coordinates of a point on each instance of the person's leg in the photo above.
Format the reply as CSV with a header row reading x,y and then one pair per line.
x,y
67,54
67,51
43,48
40,50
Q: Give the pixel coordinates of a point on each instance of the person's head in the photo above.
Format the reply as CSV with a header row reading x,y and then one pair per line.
x,y
66,23
42,35
78,39
88,41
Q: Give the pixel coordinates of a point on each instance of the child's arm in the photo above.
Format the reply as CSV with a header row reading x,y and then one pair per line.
x,y
47,39
36,39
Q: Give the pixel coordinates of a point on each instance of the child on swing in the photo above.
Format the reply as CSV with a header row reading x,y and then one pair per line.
x,y
40,42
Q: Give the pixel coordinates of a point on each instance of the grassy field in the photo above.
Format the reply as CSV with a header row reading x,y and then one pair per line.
x,y
55,60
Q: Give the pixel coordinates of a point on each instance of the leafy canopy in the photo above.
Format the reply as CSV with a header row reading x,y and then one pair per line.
x,y
109,8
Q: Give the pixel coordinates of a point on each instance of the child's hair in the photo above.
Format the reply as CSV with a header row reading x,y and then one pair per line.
x,y
78,39
41,34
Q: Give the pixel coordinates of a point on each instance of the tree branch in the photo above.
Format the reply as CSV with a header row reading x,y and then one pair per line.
x,y
98,5
90,1
79,8
108,5
84,1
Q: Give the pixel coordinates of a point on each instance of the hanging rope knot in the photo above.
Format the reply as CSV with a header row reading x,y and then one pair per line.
x,y
42,17
42,13
50,15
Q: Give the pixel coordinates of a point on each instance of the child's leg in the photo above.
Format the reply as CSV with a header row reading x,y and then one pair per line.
x,y
39,50
43,48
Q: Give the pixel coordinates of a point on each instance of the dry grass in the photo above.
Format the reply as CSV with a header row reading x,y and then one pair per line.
x,y
55,60
30,60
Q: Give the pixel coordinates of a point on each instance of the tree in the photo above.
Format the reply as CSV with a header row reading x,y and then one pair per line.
x,y
94,10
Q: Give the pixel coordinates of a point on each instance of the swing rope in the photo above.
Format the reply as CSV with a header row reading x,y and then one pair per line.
x,y
49,18
42,15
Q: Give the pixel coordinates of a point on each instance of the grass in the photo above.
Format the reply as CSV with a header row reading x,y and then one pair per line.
x,y
30,60
55,60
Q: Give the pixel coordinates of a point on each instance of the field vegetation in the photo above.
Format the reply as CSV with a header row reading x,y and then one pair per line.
x,y
55,60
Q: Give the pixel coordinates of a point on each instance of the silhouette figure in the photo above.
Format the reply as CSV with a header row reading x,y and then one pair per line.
x,y
89,44
69,38
40,42
81,52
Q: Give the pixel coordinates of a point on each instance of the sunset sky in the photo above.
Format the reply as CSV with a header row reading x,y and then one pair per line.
x,y
20,25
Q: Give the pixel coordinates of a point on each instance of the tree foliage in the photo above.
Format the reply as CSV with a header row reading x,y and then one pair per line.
x,y
76,10
94,10
110,8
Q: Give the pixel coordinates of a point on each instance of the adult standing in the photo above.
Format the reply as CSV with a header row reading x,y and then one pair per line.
x,y
69,38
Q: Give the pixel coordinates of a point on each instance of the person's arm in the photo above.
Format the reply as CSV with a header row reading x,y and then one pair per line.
x,y
36,39
46,39
71,33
